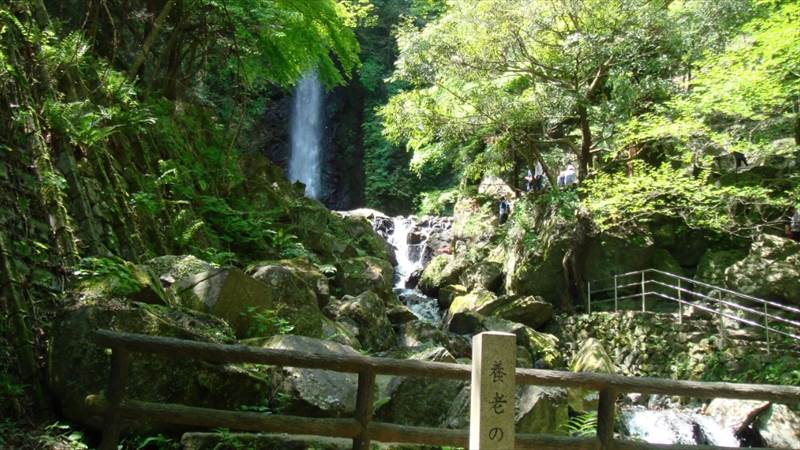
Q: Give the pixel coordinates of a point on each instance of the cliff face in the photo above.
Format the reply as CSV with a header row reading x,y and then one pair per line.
x,y
342,142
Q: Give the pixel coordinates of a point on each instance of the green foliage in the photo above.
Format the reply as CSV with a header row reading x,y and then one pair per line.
x,y
265,322
622,202
114,271
157,442
582,425
59,435
438,202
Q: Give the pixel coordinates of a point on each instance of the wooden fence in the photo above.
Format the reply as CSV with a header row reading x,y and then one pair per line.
x,y
115,407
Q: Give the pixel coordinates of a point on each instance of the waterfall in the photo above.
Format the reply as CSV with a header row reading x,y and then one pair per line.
x,y
305,130
409,256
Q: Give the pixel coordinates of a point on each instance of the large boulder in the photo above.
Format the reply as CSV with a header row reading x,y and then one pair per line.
x,y
538,270
495,186
448,293
776,425
420,401
487,275
420,333
305,270
712,266
541,410
607,256
78,367
313,392
538,410
771,270
364,273
463,316
543,346
443,270
368,315
99,279
528,310
277,301
591,357
171,268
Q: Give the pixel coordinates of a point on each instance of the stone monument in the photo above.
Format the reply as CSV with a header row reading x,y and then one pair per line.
x,y
491,417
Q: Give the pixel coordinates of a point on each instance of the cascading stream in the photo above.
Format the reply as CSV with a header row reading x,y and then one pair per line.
x,y
305,130
673,426
411,256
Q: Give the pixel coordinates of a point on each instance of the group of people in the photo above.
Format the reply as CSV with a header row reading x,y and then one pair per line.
x,y
535,182
535,179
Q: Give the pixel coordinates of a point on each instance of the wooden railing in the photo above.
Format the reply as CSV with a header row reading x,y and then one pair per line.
x,y
115,407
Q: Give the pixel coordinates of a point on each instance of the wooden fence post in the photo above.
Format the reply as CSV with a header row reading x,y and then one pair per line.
x,y
364,406
118,383
491,418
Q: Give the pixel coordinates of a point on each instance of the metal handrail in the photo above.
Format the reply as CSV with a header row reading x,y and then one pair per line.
x,y
643,293
701,283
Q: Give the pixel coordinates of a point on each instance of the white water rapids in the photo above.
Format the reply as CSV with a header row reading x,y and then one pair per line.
x,y
305,130
672,426
410,258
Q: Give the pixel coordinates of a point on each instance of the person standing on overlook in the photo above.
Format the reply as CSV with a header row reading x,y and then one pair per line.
x,y
567,177
793,224
505,210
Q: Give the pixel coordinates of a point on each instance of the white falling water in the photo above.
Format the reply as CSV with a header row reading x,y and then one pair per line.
x,y
305,130
675,427
410,258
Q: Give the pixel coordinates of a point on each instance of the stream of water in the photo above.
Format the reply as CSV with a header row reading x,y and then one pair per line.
x,y
415,240
305,132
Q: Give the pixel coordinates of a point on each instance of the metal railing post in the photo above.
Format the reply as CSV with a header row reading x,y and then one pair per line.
x,y
680,303
588,297
766,326
644,304
616,304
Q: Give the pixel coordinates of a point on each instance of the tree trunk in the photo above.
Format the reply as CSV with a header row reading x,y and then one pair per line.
x,y
585,156
797,122
150,39
574,264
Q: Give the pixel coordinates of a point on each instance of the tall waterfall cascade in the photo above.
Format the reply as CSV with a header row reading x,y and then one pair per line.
x,y
305,131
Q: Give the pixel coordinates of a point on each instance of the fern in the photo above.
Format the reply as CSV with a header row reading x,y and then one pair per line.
x,y
582,425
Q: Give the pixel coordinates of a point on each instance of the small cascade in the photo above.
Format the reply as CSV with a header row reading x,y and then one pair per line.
x,y
674,426
415,241
410,256
305,129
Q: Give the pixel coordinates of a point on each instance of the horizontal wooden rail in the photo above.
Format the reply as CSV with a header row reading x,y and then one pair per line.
x,y
361,428
225,353
399,367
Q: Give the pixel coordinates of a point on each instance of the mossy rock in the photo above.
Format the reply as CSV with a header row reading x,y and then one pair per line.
x,y
591,357
530,310
420,401
486,275
711,268
171,268
543,346
364,273
368,315
313,392
305,270
254,307
443,270
78,367
448,293
121,279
